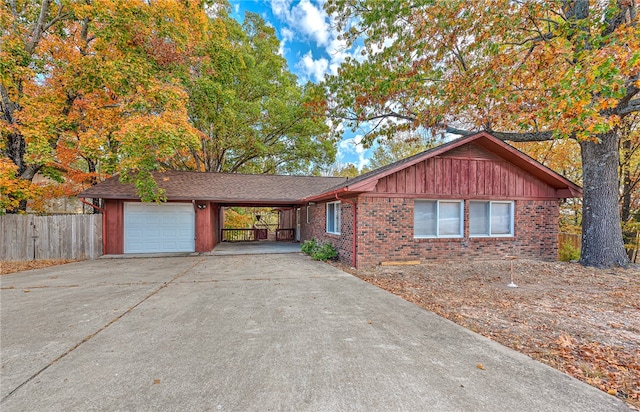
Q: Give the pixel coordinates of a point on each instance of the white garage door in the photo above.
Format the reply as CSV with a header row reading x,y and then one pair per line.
x,y
166,227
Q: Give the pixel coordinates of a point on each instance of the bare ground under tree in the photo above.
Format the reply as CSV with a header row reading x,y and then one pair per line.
x,y
582,321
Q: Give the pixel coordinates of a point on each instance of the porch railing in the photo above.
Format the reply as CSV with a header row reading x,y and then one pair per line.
x,y
285,234
249,235
243,235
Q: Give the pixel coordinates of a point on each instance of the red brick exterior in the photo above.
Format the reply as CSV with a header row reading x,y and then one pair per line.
x,y
316,228
385,233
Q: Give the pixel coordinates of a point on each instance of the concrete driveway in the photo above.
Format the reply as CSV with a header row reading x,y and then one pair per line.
x,y
253,332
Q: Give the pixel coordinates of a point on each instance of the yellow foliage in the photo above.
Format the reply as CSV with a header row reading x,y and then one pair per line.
x,y
13,189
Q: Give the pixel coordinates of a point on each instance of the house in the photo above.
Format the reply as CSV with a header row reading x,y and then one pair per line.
x,y
475,197
193,217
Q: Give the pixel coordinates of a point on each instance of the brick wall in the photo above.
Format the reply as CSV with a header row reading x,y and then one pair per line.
x,y
316,228
385,233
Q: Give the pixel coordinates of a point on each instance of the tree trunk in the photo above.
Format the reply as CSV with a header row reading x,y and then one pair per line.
x,y
626,182
91,166
602,244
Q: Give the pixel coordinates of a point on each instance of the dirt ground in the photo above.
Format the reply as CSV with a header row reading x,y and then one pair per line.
x,y
583,321
12,266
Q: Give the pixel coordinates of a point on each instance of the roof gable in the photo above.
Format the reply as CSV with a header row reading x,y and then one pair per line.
x,y
480,145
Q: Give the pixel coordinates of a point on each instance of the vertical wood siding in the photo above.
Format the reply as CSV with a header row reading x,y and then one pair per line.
x,y
478,174
27,237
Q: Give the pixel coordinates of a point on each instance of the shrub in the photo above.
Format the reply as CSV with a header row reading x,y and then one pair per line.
x,y
568,252
323,252
308,246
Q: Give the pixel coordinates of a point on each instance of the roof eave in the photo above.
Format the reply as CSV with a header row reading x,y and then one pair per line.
x,y
193,198
326,195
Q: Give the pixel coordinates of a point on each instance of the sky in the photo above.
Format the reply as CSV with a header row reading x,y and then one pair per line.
x,y
311,46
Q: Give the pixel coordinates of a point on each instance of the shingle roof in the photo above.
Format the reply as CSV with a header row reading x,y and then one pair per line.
x,y
221,187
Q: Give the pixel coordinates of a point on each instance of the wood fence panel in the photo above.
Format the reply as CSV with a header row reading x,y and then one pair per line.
x,y
574,239
27,237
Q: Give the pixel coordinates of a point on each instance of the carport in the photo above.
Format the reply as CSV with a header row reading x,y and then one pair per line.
x,y
192,218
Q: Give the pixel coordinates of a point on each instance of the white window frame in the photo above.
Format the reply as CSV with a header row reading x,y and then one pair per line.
x,y
438,235
492,202
336,217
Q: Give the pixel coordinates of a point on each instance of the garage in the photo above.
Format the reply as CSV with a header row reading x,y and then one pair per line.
x,y
159,228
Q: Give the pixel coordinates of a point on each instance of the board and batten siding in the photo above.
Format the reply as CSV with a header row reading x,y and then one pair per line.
x,y
472,173
27,237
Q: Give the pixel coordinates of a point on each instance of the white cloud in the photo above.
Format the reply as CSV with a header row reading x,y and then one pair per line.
x,y
312,21
307,20
353,146
280,8
311,68
287,34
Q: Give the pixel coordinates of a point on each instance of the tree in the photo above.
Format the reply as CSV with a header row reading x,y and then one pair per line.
x,y
90,88
341,170
630,166
251,113
13,190
524,71
563,156
93,88
403,145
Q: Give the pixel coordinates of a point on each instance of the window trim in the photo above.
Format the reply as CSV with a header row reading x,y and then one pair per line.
x,y
337,210
308,215
438,235
511,204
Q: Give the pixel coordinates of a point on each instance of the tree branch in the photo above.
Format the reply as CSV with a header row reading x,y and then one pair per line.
x,y
523,136
38,29
627,14
632,106
390,114
510,136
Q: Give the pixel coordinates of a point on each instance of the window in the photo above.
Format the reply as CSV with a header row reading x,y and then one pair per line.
x,y
438,218
333,218
308,215
490,218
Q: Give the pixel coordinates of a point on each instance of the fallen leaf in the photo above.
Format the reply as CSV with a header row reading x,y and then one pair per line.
x,y
480,366
156,381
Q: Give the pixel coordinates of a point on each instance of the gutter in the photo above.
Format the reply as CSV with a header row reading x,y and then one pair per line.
x,y
104,223
354,231
326,195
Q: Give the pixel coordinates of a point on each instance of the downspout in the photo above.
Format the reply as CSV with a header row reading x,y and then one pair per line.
x,y
355,229
104,223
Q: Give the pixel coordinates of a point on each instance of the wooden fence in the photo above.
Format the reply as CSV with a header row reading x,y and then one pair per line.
x,y
28,237
574,240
